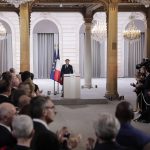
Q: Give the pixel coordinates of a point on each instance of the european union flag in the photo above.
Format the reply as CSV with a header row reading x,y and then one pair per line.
x,y
53,66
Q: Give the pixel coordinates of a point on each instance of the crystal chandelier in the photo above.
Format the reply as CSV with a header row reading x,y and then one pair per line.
x,y
146,3
2,32
99,31
17,3
132,32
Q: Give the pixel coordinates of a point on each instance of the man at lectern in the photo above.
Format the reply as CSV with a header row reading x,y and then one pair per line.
x,y
66,69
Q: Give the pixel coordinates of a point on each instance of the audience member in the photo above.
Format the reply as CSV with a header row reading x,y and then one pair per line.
x,y
20,99
5,91
28,87
42,110
106,129
25,76
7,76
12,70
128,135
7,112
22,126
36,89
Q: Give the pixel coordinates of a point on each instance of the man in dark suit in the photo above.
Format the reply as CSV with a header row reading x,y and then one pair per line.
x,y
66,69
5,91
7,112
128,135
42,111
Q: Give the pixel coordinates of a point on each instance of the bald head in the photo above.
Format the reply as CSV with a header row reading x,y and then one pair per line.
x,y
7,112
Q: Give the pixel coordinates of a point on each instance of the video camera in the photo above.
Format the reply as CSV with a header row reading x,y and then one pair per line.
x,y
145,62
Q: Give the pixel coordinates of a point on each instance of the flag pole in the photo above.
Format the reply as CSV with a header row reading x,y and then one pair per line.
x,y
57,88
54,88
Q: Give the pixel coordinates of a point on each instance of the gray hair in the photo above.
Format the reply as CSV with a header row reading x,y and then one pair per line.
x,y
22,126
107,127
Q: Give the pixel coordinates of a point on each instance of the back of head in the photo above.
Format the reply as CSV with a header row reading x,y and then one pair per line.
x,y
7,112
12,70
32,76
25,75
7,76
107,127
37,105
5,86
22,126
16,95
124,112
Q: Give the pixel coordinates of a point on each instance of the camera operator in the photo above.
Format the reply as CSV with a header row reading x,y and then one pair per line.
x,y
140,78
145,114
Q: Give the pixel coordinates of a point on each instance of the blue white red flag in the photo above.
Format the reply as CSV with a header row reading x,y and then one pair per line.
x,y
57,69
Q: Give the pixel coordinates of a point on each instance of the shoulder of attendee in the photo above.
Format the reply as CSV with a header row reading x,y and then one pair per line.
x,y
147,146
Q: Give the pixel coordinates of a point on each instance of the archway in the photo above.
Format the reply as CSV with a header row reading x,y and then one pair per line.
x,y
134,50
6,54
98,49
45,40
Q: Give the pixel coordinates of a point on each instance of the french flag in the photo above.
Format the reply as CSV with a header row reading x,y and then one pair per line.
x,y
57,69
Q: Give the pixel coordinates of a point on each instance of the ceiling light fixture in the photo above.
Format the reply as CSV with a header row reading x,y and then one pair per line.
x,y
146,3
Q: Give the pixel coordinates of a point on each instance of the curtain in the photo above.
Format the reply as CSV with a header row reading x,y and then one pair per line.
x,y
6,55
43,47
133,55
98,58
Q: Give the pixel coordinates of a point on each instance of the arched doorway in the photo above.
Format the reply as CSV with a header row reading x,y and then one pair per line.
x,y
98,49
134,50
45,40
6,54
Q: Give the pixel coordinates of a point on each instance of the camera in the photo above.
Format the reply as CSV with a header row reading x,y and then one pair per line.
x,y
145,62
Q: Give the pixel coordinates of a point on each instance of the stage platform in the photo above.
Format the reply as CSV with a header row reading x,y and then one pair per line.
x,y
93,95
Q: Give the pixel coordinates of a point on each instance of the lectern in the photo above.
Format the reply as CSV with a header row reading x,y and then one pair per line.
x,y
71,86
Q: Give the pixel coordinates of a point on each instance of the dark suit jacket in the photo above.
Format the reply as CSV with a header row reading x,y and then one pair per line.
x,y
66,70
109,146
6,138
131,137
4,98
44,139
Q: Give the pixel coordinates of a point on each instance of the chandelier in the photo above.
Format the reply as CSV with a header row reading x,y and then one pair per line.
x,y
17,3
2,32
132,32
146,3
99,31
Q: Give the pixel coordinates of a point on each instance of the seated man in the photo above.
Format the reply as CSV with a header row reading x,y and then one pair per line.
x,y
128,135
43,112
23,130
7,112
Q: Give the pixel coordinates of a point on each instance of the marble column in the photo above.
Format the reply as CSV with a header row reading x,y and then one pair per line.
x,y
24,38
87,57
148,35
111,81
